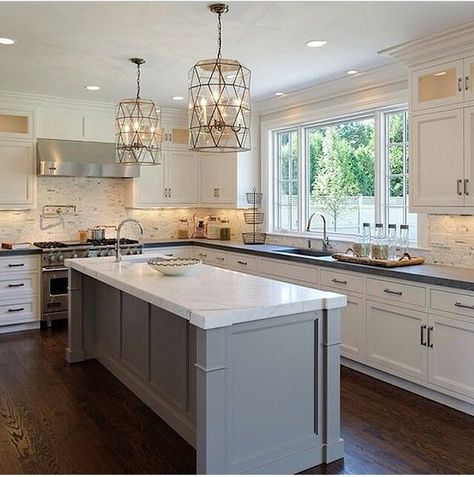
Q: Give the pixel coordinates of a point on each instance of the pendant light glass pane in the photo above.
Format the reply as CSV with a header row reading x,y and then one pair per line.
x,y
219,106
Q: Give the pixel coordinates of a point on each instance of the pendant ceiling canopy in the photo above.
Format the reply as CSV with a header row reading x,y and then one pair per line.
x,y
138,132
219,101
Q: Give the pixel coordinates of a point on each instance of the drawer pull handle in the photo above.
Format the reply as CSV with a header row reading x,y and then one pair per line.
x,y
13,310
220,258
203,255
459,84
460,305
466,182
422,335
430,342
393,292
240,262
15,285
168,254
11,265
340,282
458,186
466,83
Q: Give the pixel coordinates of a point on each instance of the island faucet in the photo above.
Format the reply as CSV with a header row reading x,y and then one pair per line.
x,y
118,255
325,233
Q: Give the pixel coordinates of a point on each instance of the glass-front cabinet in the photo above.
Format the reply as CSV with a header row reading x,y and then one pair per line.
x,y
16,125
440,85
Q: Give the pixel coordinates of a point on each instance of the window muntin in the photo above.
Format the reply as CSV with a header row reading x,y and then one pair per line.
x,y
341,173
286,146
397,169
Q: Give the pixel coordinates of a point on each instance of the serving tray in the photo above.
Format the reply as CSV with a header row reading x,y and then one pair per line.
x,y
403,261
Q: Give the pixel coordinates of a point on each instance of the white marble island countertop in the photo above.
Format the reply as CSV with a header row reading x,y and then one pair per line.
x,y
209,297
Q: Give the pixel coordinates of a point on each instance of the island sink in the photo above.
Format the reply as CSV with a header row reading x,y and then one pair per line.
x,y
246,369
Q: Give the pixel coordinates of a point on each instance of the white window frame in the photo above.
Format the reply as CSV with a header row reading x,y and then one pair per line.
x,y
380,169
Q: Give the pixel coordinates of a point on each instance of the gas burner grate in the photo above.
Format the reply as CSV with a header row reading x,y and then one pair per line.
x,y
112,241
50,244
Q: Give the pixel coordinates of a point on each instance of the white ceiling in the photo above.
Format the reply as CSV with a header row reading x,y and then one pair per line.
x,y
63,46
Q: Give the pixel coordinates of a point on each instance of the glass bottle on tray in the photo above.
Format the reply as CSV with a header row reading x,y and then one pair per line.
x,y
392,241
361,247
404,240
379,247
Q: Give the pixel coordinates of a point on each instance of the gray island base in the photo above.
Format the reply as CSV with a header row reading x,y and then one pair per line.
x,y
252,395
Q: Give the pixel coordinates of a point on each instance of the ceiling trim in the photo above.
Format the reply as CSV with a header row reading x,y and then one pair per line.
x,y
375,77
456,41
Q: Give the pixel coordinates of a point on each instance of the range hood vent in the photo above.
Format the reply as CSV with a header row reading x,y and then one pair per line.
x,y
81,159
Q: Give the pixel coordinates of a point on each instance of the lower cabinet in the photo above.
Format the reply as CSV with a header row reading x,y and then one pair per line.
x,y
451,354
395,338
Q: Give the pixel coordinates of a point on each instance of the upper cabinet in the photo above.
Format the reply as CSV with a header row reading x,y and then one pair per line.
x,y
77,124
17,180
16,125
175,130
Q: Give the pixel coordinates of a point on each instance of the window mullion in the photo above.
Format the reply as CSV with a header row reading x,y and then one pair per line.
x,y
302,190
380,165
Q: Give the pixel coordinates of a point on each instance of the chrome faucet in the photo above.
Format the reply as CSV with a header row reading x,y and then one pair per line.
x,y
325,232
118,256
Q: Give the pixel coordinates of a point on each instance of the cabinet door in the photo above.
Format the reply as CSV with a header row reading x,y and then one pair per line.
x,y
437,169
149,187
16,125
394,340
182,171
17,180
441,85
468,184
57,123
218,178
451,354
468,79
177,137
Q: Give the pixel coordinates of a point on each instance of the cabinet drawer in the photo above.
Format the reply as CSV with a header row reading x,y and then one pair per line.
x,y
242,262
19,263
18,311
459,303
289,271
18,285
343,281
179,252
405,294
212,257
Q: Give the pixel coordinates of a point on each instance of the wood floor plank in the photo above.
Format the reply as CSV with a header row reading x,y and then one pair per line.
x,y
61,419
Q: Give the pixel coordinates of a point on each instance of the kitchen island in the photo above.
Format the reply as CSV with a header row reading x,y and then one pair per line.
x,y
244,368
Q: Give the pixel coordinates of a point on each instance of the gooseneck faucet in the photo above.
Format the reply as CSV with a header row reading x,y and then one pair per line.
x,y
325,232
118,255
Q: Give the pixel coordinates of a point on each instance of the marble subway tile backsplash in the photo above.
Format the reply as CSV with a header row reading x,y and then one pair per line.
x,y
98,202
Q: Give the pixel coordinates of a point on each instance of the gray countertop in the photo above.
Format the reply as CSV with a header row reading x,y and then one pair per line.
x,y
454,277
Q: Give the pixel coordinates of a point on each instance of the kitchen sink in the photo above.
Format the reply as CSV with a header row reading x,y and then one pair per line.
x,y
308,252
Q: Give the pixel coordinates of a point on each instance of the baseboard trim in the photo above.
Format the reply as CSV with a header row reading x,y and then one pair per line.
x,y
409,386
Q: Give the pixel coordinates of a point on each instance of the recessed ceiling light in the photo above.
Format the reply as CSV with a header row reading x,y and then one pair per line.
x,y
315,43
279,93
92,88
6,41
351,72
177,98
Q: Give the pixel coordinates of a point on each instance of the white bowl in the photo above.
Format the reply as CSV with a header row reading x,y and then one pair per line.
x,y
174,266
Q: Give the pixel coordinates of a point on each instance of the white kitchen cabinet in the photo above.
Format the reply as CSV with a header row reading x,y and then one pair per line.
x,y
395,340
468,179
18,177
440,85
16,124
468,79
176,252
451,354
175,182
175,129
437,166
99,125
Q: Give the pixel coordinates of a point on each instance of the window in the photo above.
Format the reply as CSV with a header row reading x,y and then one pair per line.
x,y
351,171
287,160
396,181
341,185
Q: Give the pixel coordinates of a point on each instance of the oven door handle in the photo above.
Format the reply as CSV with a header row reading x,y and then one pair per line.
x,y
60,269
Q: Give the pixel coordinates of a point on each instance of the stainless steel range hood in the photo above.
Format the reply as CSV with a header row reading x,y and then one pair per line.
x,y
81,159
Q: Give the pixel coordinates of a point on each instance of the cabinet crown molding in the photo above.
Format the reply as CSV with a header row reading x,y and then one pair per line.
x,y
457,41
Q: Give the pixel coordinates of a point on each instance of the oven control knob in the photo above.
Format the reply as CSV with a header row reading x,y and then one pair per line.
x,y
51,258
99,253
74,254
60,257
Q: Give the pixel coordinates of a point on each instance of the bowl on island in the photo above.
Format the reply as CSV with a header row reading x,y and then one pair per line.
x,y
174,266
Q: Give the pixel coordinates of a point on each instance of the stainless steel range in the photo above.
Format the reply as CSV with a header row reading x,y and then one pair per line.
x,y
54,283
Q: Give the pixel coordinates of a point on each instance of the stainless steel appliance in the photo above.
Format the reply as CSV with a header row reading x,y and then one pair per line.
x,y
54,282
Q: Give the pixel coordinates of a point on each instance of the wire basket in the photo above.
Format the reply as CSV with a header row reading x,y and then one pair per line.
x,y
254,237
253,217
254,197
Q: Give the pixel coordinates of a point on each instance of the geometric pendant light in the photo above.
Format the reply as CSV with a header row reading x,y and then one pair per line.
x,y
138,134
219,101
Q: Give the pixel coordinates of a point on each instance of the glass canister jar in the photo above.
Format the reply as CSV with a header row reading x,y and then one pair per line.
x,y
379,246
213,228
224,230
183,228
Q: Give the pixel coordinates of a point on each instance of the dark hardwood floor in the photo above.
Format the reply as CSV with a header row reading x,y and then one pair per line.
x,y
56,418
